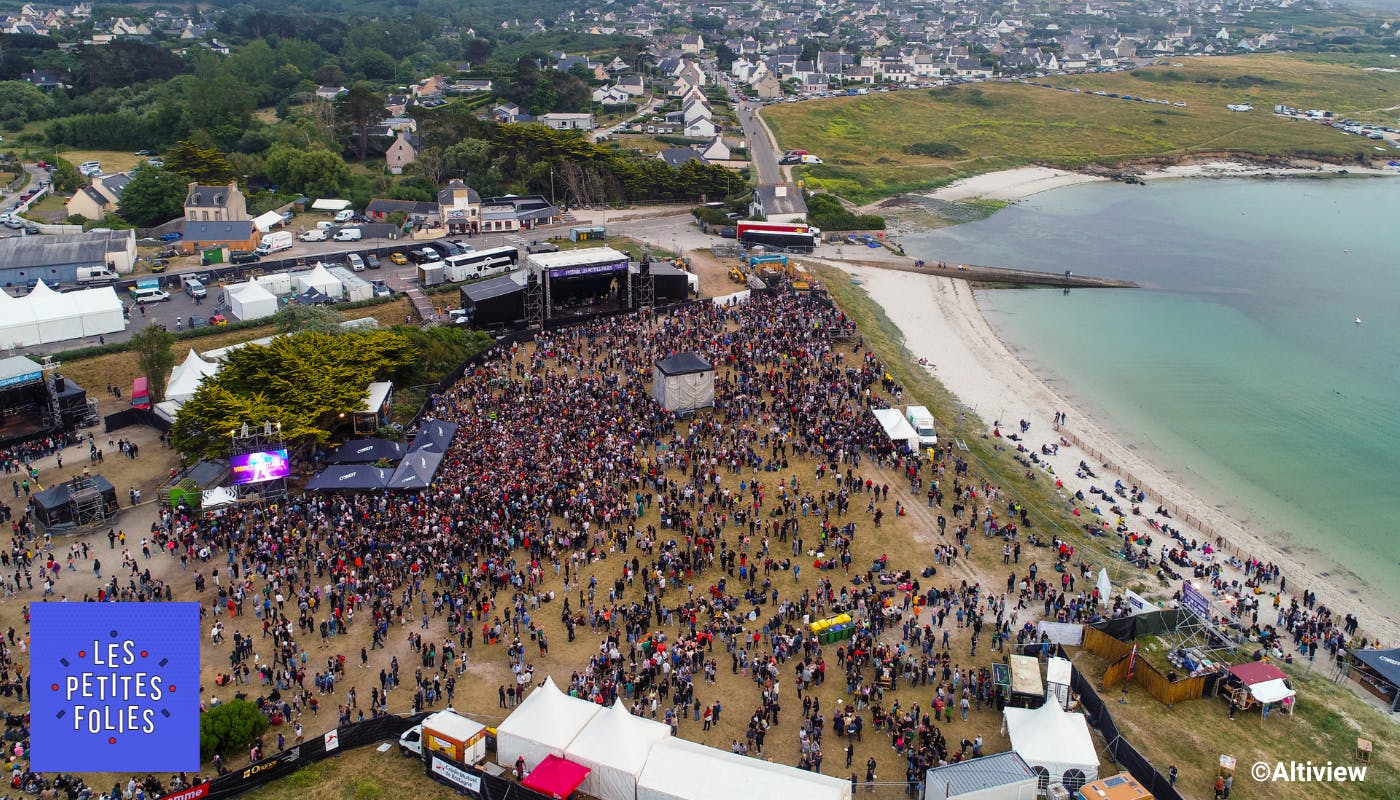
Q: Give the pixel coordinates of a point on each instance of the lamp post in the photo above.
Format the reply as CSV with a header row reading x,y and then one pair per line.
x,y
552,201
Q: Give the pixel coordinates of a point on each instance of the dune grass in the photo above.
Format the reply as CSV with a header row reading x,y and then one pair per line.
x,y
878,145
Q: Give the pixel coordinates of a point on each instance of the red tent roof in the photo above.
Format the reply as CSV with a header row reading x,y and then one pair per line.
x,y
556,777
1256,672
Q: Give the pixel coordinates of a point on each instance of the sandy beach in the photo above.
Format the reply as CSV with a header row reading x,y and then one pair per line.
x,y
943,325
1011,185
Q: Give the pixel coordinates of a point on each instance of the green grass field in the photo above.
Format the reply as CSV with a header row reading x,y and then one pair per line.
x,y
971,129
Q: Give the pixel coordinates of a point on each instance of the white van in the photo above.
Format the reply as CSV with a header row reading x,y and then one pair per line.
x,y
194,288
344,215
357,264
149,295
317,235
90,168
348,235
95,276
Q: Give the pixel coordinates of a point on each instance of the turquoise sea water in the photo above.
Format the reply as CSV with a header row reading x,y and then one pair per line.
x,y
1239,367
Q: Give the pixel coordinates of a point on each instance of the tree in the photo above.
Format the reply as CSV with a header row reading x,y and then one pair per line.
x,y
317,172
65,176
359,108
230,726
152,196
199,164
304,382
21,102
155,357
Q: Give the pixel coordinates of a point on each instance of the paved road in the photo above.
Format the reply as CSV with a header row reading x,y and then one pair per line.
x,y
762,152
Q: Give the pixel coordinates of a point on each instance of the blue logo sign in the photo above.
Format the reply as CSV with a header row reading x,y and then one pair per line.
x,y
115,687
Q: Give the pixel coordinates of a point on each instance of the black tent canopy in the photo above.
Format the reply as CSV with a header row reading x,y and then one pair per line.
x,y
1386,664
346,477
367,451
72,503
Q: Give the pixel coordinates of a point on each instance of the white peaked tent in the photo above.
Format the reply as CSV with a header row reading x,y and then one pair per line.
x,y
615,745
1055,743
321,280
45,316
897,427
251,301
186,377
543,725
682,770
17,325
268,221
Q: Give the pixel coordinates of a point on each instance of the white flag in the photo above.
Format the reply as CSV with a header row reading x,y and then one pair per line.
x,y
1103,585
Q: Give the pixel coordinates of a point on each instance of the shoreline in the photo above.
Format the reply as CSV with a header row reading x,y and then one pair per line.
x,y
1013,185
943,323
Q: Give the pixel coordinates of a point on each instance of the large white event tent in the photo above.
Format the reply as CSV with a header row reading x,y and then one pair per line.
x,y
681,770
1055,743
321,280
615,745
543,725
251,301
186,377
44,316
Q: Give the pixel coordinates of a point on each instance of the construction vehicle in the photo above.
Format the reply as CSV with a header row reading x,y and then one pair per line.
x,y
738,275
775,258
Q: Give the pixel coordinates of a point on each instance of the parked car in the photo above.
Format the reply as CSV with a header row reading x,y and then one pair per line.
x,y
243,257
344,215
31,229
348,235
357,264
398,258
728,233
372,261
199,322
145,152
173,236
218,319
317,235
159,265
381,289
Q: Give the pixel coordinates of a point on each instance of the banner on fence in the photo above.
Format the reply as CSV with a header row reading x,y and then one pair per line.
x,y
1068,633
455,775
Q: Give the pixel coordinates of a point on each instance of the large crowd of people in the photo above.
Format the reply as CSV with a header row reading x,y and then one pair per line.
x,y
685,545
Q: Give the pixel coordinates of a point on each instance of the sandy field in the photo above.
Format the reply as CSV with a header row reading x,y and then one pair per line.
x,y
944,325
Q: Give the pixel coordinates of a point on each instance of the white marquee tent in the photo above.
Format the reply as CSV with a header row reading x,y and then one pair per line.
x,y
186,377
897,427
681,770
615,745
44,316
251,301
543,725
268,221
321,280
1055,743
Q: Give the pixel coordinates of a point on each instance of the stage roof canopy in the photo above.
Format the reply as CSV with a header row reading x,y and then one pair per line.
x,y
18,369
